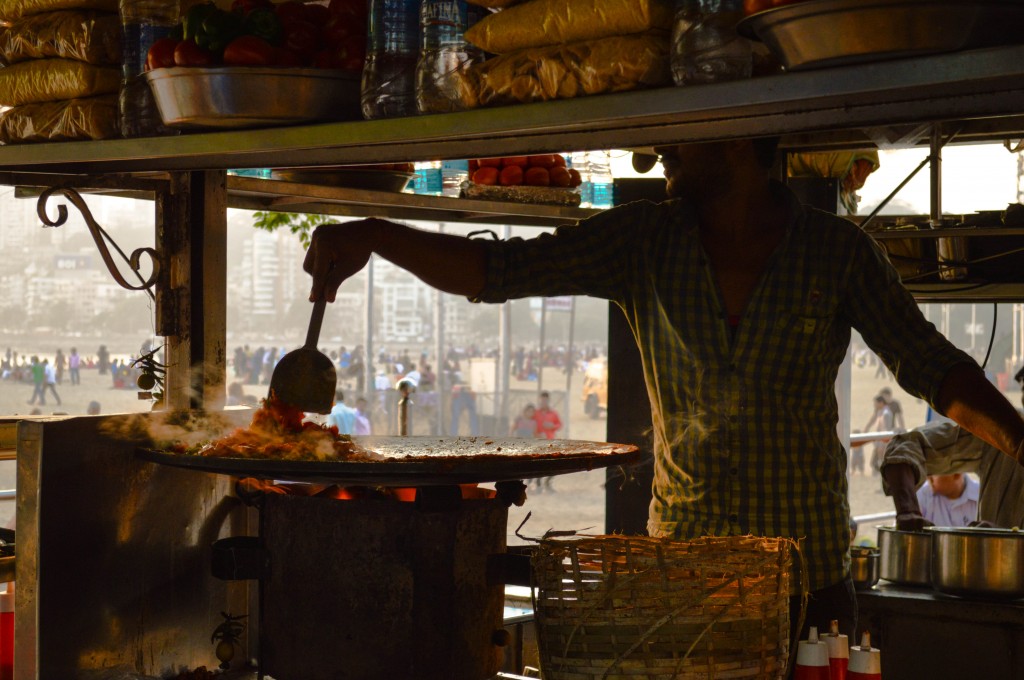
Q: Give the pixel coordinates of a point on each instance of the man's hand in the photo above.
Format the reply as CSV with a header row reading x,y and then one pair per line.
x,y
911,521
336,252
903,486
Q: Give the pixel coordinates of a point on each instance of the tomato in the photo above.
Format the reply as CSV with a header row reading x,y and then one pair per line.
x,y
515,160
543,161
187,53
350,47
485,175
290,11
559,160
243,7
327,58
560,176
358,9
537,177
318,15
161,54
511,175
286,58
574,176
752,6
301,38
248,50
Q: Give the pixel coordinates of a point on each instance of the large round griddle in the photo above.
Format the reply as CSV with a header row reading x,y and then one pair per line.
x,y
422,461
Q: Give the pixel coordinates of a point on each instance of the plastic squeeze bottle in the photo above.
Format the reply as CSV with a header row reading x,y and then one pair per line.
x,y
865,661
838,651
812,658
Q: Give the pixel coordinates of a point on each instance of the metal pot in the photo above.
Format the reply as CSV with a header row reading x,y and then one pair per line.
x,y
905,556
864,567
978,562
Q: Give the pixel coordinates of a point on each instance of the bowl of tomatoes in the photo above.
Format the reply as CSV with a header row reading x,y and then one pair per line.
x,y
249,96
807,34
260,63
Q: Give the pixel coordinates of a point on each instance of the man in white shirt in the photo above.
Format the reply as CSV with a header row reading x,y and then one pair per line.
x,y
343,417
949,500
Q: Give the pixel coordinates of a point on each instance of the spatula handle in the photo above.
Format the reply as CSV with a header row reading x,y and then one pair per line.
x,y
317,320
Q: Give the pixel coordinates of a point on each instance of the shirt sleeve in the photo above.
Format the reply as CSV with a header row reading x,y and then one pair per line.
x,y
892,325
588,258
941,448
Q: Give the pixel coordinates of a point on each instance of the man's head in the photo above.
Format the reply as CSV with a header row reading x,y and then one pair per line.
x,y
543,399
886,394
339,396
93,409
950,486
361,404
703,169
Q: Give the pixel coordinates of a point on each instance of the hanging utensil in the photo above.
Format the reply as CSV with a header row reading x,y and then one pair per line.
x,y
305,377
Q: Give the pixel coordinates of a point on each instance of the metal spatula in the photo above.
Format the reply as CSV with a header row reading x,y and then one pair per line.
x,y
305,377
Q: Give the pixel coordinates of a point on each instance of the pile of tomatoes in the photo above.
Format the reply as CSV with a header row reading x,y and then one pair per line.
x,y
263,33
544,170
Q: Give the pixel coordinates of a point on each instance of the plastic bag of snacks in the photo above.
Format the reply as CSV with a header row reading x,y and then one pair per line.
x,y
87,118
14,9
45,80
93,37
579,69
539,23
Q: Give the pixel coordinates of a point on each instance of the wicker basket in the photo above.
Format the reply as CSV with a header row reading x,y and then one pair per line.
x,y
621,607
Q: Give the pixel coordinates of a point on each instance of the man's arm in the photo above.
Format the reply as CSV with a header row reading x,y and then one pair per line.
x,y
453,264
902,482
971,400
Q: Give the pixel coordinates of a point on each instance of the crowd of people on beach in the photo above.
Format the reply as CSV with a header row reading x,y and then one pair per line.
x,y
45,373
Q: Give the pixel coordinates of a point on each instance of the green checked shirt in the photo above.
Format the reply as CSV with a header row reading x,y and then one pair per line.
x,y
744,421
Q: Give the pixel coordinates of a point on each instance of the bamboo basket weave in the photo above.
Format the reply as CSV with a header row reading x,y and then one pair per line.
x,y
627,607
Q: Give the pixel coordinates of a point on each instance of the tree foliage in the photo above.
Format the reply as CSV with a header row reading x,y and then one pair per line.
x,y
301,225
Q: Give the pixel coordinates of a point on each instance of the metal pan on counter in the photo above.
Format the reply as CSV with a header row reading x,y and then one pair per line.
x,y
422,461
978,562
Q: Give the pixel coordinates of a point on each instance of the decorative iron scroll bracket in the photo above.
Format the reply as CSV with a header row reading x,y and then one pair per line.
x,y
101,238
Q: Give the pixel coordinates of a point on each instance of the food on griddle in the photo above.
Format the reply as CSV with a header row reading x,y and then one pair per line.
x,y
278,431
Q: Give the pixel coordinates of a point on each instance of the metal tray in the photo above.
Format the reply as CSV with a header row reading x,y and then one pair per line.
x,y
423,461
821,33
253,96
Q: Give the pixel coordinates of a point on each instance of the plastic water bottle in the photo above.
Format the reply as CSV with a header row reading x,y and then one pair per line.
x,y
705,45
445,51
428,179
143,22
579,162
601,181
393,47
453,174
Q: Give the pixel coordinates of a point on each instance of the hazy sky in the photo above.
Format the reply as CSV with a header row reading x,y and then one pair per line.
x,y
975,177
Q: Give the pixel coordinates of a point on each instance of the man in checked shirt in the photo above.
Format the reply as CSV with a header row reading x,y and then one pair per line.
x,y
741,301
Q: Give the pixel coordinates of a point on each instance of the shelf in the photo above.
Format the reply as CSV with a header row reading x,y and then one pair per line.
x,y
258,194
884,103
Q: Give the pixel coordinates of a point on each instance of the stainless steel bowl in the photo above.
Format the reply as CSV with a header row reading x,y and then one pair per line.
x,y
905,556
978,562
253,96
864,567
823,33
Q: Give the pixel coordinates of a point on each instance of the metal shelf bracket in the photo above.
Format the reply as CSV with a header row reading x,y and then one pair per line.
x,y
101,238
